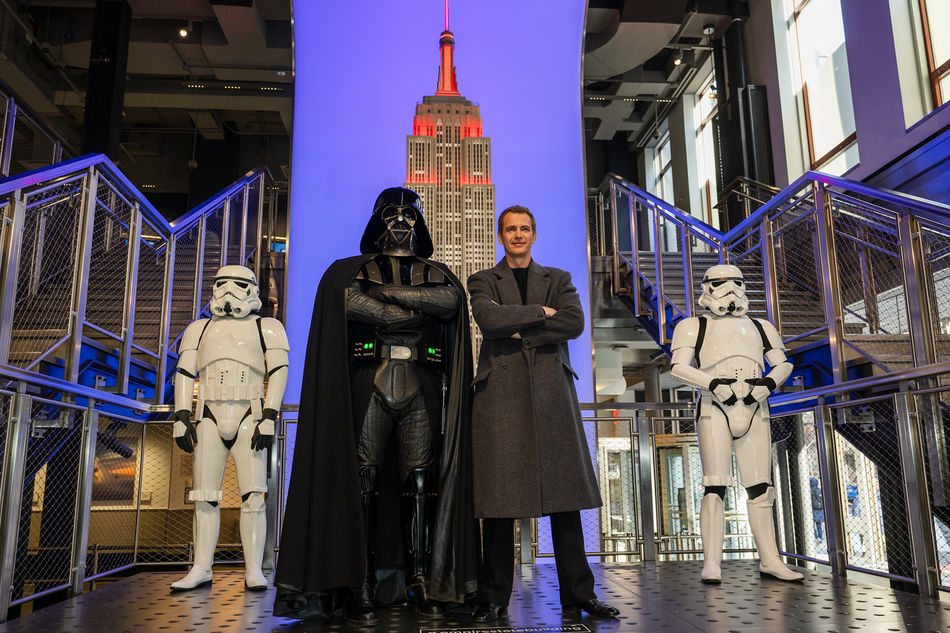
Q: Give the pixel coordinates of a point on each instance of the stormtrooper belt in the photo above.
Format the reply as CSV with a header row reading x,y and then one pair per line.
x,y
376,350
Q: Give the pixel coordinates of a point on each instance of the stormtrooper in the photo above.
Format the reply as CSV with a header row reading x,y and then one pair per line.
x,y
231,354
729,348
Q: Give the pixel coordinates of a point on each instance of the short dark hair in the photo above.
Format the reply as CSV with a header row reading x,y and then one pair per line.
x,y
517,208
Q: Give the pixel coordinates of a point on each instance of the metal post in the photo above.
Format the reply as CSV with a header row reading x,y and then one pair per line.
x,y
634,253
647,484
615,255
39,247
14,464
767,247
199,267
13,239
527,543
165,324
87,466
829,276
247,191
919,517
81,272
830,489
138,496
131,292
8,134
260,252
917,300
225,232
658,270
686,247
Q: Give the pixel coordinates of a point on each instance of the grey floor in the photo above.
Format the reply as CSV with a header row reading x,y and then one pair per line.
x,y
662,597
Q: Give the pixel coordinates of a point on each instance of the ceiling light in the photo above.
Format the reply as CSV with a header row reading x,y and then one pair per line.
x,y
678,59
281,73
185,31
709,29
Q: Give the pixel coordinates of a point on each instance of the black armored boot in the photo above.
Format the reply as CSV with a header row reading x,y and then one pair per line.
x,y
417,508
360,608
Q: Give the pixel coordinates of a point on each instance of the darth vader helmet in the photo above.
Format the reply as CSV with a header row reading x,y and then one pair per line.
x,y
397,226
235,292
724,291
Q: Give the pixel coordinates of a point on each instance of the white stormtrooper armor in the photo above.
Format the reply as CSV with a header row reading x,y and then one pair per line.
x,y
729,348
231,354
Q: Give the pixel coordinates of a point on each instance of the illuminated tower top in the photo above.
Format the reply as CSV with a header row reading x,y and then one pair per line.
x,y
447,85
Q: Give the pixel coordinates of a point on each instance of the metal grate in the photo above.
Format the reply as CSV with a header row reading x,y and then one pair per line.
x,y
32,146
797,276
183,284
934,415
109,259
802,528
45,534
45,275
165,524
212,254
871,286
872,492
935,282
153,251
113,514
617,467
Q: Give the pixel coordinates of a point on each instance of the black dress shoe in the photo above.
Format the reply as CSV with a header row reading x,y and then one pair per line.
x,y
489,612
594,607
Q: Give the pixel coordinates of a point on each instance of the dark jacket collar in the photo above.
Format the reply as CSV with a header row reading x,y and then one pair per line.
x,y
539,278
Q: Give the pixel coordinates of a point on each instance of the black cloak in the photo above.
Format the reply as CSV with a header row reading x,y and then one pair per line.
x,y
321,543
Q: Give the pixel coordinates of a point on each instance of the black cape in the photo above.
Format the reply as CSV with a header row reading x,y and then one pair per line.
x,y
321,543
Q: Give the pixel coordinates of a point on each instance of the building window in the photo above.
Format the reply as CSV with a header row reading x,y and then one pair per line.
x,y
703,113
816,30
935,15
662,167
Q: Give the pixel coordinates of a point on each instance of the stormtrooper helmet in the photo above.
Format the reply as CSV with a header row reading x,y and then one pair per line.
x,y
235,292
724,291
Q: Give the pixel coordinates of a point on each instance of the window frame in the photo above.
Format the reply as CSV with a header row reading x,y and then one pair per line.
x,y
934,73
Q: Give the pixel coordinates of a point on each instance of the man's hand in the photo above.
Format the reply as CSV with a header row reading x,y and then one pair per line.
x,y
264,431
549,312
184,431
722,391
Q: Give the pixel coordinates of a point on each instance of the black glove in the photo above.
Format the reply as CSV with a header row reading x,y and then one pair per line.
x,y
187,441
766,382
260,441
715,382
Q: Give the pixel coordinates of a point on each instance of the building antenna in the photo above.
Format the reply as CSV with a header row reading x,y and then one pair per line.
x,y
446,15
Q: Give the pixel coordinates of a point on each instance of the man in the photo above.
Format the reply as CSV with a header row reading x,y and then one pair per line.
x,y
231,353
380,487
731,350
529,450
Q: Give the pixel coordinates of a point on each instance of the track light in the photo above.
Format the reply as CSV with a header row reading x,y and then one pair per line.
x,y
678,59
185,31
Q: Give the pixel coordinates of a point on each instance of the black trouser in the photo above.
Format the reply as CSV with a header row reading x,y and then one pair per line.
x,y
496,576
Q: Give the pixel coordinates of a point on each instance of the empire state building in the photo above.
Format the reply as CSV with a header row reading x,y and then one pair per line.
x,y
448,163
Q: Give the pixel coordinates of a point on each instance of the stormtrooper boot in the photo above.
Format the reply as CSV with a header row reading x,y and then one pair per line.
x,y
712,527
253,535
763,531
206,524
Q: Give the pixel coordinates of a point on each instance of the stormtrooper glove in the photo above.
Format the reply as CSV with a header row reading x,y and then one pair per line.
x,y
184,431
264,431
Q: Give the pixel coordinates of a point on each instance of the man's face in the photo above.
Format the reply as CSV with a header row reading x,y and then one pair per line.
x,y
516,235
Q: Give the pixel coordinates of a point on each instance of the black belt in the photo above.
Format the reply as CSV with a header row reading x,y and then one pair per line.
x,y
377,350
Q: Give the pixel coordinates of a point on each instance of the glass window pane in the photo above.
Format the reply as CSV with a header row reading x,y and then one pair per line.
x,y
824,64
945,88
938,20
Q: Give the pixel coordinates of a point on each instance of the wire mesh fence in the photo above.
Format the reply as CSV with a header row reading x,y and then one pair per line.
x,y
252,222
617,460
235,224
42,308
933,411
935,282
872,488
747,255
211,261
149,289
184,279
871,284
799,504
797,275
109,259
43,558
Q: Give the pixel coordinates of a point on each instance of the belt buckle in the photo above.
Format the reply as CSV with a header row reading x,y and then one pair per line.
x,y
400,352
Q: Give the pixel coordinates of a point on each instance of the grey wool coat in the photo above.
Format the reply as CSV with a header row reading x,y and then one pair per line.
x,y
530,454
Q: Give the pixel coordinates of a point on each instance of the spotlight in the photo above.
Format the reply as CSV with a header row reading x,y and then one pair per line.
x,y
185,31
678,59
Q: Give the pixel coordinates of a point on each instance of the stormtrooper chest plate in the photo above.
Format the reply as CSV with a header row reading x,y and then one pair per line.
x,y
732,347
231,361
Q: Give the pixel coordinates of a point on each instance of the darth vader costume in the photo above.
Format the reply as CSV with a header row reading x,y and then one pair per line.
x,y
380,490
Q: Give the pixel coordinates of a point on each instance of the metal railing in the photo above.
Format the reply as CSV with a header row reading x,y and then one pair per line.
x,y
865,268
89,264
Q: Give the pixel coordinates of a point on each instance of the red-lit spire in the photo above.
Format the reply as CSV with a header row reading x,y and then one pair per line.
x,y
447,84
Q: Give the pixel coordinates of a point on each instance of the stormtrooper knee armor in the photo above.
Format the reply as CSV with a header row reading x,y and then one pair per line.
x,y
231,354
731,351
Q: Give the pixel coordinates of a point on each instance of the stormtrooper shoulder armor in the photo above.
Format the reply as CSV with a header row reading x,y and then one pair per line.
x,y
192,334
771,337
273,333
686,333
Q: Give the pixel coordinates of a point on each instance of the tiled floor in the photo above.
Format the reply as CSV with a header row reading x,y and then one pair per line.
x,y
662,597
